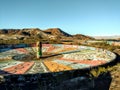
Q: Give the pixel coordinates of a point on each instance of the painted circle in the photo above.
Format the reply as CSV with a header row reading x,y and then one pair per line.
x,y
56,57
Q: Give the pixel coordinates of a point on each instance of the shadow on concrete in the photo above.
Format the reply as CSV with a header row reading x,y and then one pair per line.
x,y
65,80
7,47
49,55
118,58
101,82
2,72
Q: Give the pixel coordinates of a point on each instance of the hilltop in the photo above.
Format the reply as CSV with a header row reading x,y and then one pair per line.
x,y
54,34
83,37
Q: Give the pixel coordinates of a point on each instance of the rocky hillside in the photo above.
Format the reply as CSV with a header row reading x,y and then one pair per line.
x,y
23,33
52,33
57,32
82,37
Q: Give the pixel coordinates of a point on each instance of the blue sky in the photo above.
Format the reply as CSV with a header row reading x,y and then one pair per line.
x,y
89,17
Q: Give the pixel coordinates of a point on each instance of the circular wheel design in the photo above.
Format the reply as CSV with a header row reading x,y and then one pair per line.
x,y
56,57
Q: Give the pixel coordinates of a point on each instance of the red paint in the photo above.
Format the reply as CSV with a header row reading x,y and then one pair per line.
x,y
20,68
22,50
90,62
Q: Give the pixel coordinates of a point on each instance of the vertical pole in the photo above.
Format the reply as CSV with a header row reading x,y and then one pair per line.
x,y
40,47
37,50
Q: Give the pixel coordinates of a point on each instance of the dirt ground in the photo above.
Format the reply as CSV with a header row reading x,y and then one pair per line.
x,y
115,74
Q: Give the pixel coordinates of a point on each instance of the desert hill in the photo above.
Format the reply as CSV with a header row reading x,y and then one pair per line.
x,y
83,37
55,34
23,33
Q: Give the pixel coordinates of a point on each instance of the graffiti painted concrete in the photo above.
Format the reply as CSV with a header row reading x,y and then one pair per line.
x,y
56,57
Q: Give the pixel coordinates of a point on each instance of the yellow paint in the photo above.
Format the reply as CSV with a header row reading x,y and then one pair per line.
x,y
55,67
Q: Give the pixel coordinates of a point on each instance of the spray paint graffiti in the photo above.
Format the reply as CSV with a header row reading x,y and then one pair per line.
x,y
71,57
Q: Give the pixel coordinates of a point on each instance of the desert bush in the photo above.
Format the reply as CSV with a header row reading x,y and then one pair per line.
x,y
98,71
